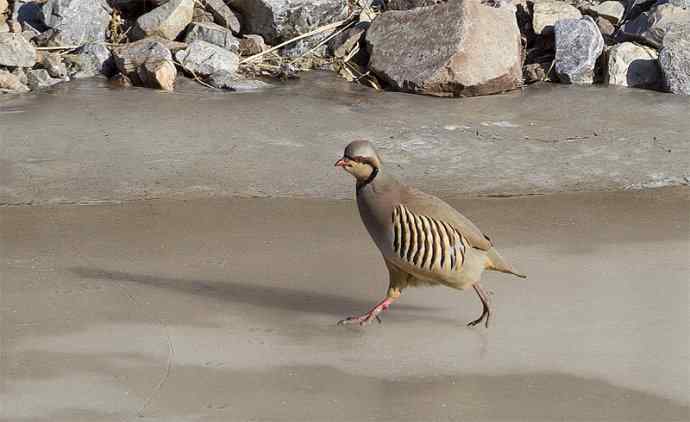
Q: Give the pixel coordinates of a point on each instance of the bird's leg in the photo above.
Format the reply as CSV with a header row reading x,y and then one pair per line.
x,y
374,312
486,307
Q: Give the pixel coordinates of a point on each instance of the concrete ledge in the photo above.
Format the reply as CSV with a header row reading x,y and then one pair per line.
x,y
86,142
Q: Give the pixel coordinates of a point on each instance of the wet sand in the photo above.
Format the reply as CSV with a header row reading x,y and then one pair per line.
x,y
86,142
225,310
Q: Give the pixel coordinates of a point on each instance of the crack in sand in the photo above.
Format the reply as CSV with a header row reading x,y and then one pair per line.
x,y
171,354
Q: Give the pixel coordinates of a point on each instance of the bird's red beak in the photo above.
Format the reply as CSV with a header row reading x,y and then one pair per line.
x,y
341,163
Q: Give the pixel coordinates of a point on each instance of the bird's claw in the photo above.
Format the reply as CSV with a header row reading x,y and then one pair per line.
x,y
363,320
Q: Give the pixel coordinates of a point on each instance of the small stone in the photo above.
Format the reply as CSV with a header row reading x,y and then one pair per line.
x,y
147,63
52,62
75,22
613,11
166,21
547,13
674,59
223,15
16,51
252,44
633,65
204,59
11,83
229,81
578,46
158,74
214,34
605,26
40,78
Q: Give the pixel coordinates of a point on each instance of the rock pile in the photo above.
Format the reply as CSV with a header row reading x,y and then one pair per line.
x,y
433,47
617,42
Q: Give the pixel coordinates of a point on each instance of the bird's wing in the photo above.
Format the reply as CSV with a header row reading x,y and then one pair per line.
x,y
423,204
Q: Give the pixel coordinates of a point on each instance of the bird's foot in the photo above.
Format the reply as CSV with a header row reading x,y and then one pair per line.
x,y
369,317
484,317
365,319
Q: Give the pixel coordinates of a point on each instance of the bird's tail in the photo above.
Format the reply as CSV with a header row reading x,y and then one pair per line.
x,y
497,263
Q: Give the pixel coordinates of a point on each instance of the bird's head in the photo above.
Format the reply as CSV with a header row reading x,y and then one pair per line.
x,y
360,160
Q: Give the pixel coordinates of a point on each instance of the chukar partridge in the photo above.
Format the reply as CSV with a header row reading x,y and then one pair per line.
x,y
423,240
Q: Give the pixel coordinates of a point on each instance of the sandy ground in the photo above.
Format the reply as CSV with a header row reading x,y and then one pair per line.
x,y
85,142
225,310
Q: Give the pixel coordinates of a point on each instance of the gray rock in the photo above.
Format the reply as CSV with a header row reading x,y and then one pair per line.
x,y
203,59
578,46
252,44
146,62
16,51
680,3
650,27
166,21
101,57
75,22
214,34
53,63
632,65
279,20
11,83
674,59
39,78
4,27
452,49
547,13
223,15
230,81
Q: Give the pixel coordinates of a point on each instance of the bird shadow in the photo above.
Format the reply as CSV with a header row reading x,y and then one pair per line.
x,y
274,297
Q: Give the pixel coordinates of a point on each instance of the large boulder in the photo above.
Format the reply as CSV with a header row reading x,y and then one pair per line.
x,y
632,65
147,62
75,22
674,59
214,34
578,46
166,21
650,27
451,49
203,59
546,13
280,20
16,51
